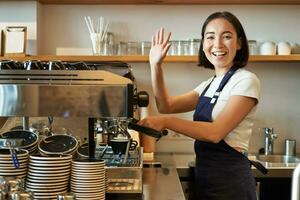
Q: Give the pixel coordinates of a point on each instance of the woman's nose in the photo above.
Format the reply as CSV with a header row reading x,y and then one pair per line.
x,y
218,42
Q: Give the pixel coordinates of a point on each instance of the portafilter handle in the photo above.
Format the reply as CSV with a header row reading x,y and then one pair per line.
x,y
147,130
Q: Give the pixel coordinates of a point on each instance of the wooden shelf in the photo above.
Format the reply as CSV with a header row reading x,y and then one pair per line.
x,y
144,59
176,2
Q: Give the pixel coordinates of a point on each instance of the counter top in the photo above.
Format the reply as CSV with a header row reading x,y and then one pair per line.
x,y
163,182
182,162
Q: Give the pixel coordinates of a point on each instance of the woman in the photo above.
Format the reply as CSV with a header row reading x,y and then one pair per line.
x,y
224,108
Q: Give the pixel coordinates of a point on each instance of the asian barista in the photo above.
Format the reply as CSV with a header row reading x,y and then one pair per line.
x,y
224,108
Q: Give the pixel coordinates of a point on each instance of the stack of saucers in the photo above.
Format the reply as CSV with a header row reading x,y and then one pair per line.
x,y
7,166
88,179
48,176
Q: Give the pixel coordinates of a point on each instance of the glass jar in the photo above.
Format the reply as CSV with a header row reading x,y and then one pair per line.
x,y
133,48
183,47
109,44
252,44
194,46
173,51
145,48
122,48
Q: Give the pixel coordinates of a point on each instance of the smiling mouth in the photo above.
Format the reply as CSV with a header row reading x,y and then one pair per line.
x,y
219,53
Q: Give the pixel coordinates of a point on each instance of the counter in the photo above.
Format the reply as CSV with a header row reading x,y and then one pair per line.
x,y
279,170
162,183
159,183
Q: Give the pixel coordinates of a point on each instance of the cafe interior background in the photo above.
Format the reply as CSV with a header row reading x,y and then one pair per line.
x,y
61,30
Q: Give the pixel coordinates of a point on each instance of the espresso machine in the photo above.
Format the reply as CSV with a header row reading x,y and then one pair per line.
x,y
103,92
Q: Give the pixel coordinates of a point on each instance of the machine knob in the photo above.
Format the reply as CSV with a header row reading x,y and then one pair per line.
x,y
141,99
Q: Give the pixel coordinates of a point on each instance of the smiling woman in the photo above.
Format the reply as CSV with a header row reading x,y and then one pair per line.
x,y
224,108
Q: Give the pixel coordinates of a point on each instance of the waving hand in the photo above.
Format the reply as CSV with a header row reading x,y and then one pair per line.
x,y
159,48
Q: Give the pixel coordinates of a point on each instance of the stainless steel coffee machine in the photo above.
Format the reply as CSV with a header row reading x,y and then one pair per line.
x,y
103,92
59,89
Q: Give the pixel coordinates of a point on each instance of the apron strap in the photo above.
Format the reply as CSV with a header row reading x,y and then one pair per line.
x,y
259,166
204,91
226,78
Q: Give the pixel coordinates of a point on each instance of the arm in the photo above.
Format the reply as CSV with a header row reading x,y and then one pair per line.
x,y
164,102
234,112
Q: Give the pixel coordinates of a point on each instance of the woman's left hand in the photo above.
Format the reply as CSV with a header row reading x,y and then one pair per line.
x,y
157,123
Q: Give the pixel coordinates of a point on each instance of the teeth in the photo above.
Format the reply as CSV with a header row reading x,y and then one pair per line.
x,y
219,53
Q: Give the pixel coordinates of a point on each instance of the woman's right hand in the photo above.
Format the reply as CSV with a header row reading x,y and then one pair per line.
x,y
159,48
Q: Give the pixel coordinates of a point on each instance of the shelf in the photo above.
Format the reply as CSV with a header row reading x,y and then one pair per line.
x,y
143,59
175,2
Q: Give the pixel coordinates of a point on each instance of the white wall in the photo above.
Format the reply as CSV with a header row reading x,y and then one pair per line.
x,y
14,13
63,27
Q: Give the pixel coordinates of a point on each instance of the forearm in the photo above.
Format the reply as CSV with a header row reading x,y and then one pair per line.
x,y
160,90
204,131
232,115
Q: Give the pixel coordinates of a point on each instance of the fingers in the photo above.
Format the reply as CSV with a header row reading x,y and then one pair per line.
x,y
159,38
168,39
142,122
153,41
161,35
166,49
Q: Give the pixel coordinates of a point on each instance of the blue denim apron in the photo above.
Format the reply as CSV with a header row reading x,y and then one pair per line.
x,y
221,172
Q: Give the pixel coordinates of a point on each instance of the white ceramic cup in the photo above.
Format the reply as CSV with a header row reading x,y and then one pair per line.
x,y
295,48
283,48
268,48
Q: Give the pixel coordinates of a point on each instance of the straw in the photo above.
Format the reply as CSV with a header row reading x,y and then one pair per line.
x,y
99,28
105,31
87,24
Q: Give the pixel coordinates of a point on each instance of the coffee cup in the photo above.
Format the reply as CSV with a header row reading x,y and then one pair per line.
x,y
283,48
119,146
268,48
295,48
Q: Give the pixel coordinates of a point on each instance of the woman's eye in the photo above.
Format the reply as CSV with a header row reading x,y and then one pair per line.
x,y
227,36
210,37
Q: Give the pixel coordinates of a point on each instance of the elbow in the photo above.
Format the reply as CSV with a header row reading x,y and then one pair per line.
x,y
215,137
163,109
215,140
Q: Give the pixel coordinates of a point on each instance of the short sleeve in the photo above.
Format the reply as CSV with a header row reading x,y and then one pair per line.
x,y
200,88
248,86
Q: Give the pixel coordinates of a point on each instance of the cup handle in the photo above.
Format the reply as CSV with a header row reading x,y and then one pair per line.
x,y
133,145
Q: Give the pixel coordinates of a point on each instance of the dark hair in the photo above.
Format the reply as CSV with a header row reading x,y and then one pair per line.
x,y
241,58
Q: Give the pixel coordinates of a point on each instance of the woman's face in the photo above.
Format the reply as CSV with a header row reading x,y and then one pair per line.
x,y
220,43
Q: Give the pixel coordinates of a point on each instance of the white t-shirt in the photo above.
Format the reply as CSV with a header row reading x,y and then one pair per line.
x,y
242,83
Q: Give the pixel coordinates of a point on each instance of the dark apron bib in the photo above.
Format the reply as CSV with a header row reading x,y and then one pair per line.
x,y
221,172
